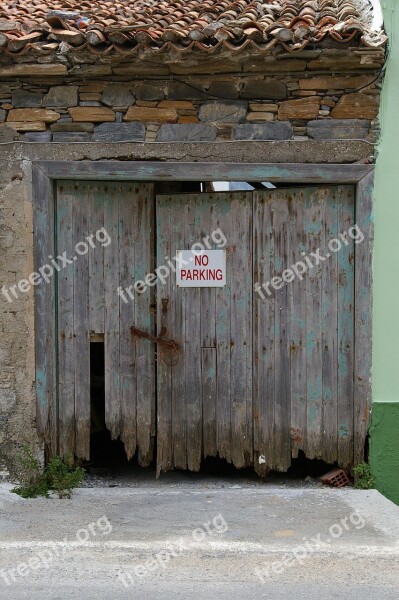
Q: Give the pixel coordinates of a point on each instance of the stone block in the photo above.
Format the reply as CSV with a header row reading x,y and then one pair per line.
x,y
147,104
33,115
187,132
62,96
69,136
117,95
94,87
356,106
188,119
181,91
7,400
269,89
40,137
223,89
33,70
73,127
333,82
223,112
25,99
94,114
26,125
263,107
263,131
305,108
91,71
149,93
177,104
330,102
338,129
151,115
119,132
258,117
3,115
89,103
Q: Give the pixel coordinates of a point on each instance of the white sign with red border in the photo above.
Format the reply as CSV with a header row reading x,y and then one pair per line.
x,y
201,268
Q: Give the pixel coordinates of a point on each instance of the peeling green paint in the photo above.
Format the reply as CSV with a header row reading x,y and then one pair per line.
x,y
313,411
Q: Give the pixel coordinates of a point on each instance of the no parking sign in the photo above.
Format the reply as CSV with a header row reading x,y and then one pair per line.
x,y
201,268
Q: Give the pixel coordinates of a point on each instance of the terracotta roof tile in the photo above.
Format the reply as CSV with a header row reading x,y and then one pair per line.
x,y
127,25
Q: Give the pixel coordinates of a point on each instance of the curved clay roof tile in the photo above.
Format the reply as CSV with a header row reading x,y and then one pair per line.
x,y
190,23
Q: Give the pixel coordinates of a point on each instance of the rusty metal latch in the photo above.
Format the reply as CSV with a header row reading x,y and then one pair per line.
x,y
170,345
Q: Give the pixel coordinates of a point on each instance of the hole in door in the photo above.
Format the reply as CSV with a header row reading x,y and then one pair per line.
x,y
105,453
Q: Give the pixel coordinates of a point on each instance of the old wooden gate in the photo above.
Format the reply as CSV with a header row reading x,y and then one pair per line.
x,y
258,375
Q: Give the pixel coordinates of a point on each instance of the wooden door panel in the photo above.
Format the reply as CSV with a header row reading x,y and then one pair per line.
x,y
205,397
65,313
81,316
303,340
345,341
88,303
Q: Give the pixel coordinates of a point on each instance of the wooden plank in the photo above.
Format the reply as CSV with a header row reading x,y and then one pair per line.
x,y
329,323
193,208
264,335
177,330
95,206
209,400
363,313
186,171
297,309
66,361
81,350
144,319
208,318
208,343
314,215
240,275
127,197
164,225
282,386
45,329
345,332
223,338
111,194
208,295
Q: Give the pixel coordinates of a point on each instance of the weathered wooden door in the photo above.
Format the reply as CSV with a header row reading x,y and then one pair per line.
x,y
257,377
89,303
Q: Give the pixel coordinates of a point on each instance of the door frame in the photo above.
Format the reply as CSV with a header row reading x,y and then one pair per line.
x,y
46,173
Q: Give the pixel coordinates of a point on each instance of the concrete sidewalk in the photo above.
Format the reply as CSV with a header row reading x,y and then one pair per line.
x,y
192,541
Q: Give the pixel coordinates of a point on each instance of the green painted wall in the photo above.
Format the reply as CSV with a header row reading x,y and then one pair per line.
x,y
384,447
385,421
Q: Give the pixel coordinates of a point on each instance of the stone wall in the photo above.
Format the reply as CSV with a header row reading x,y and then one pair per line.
x,y
298,106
